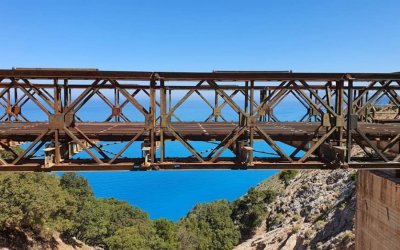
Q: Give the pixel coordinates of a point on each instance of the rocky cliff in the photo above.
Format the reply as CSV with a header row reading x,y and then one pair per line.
x,y
313,210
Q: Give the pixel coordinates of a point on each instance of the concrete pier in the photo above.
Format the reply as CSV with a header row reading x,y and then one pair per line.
x,y
378,210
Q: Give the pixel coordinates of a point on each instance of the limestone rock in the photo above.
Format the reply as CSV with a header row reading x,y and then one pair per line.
x,y
314,211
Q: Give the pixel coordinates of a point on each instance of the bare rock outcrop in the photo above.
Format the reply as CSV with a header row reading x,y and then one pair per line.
x,y
314,211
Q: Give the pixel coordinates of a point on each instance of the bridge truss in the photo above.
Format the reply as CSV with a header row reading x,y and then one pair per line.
x,y
43,127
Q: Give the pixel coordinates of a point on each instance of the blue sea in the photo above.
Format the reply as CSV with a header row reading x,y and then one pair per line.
x,y
172,194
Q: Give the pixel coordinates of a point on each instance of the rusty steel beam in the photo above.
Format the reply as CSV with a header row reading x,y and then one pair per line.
x,y
189,76
189,166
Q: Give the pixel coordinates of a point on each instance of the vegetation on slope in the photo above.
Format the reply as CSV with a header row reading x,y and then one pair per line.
x,y
41,205
287,175
250,210
314,209
35,203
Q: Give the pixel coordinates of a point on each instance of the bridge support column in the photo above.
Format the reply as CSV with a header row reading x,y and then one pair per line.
x,y
152,121
378,210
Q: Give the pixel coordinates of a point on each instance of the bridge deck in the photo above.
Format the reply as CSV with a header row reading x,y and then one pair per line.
x,y
190,130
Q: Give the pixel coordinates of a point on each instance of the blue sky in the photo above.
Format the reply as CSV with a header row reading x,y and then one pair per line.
x,y
305,36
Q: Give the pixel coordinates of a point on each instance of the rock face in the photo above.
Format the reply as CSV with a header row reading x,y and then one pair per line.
x,y
314,210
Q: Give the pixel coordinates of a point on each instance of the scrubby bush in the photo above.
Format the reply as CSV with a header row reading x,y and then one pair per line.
x,y
101,218
270,196
167,232
296,228
353,176
279,218
348,236
209,226
35,202
319,225
138,236
250,210
296,217
287,175
309,233
78,187
8,155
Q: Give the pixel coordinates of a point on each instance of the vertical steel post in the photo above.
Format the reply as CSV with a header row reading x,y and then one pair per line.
x,y
271,108
366,110
57,111
169,100
339,110
310,115
261,98
246,97
9,104
66,102
66,93
15,101
252,125
163,106
215,105
152,120
349,118
115,105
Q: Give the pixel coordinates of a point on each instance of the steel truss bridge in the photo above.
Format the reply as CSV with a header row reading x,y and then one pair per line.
x,y
43,118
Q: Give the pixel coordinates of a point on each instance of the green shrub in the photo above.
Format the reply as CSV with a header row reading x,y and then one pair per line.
x,y
270,196
35,202
249,211
209,226
279,218
101,218
348,236
78,187
167,232
8,155
353,176
140,236
287,175
309,233
296,228
319,225
296,217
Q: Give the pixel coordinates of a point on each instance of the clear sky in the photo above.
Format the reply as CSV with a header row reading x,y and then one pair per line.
x,y
307,35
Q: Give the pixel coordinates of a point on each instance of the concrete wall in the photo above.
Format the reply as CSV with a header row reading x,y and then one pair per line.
x,y
378,210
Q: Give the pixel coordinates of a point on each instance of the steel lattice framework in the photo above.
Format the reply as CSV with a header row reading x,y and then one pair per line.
x,y
142,107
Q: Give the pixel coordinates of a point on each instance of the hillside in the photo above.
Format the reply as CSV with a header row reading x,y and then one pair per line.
x,y
315,210
290,210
